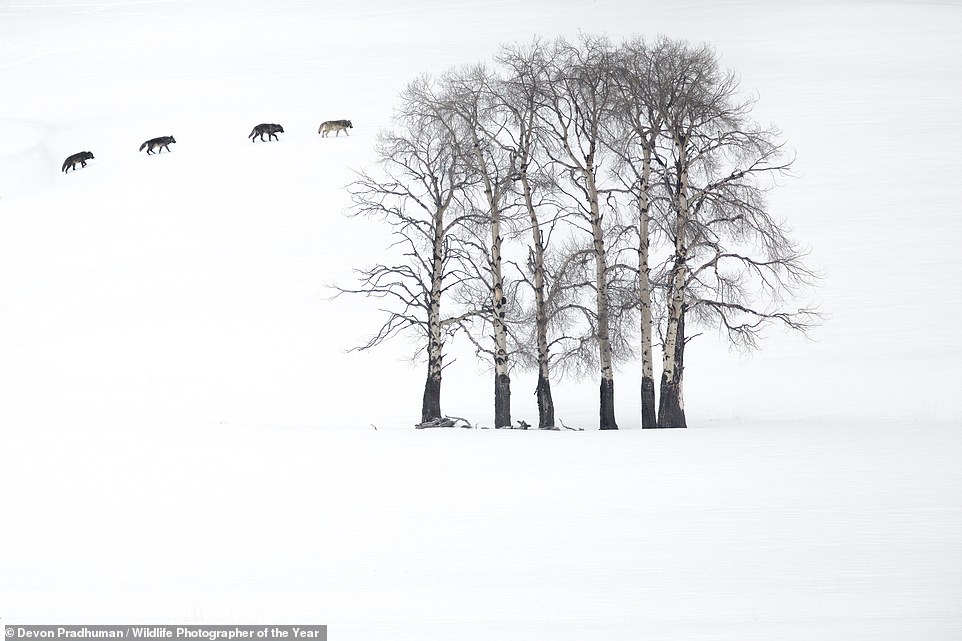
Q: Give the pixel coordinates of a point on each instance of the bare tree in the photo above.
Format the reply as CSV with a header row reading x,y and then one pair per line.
x,y
518,98
637,126
582,147
419,193
463,102
472,103
730,255
577,102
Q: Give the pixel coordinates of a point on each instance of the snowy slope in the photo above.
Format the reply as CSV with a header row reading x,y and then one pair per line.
x,y
186,440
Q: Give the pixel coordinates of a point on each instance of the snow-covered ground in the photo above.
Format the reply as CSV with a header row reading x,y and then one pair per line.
x,y
790,532
184,438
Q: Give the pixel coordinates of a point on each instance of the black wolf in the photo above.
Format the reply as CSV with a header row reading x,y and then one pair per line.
x,y
71,161
157,143
336,126
270,130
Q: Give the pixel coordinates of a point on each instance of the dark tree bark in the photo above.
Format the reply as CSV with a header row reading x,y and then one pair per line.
x,y
431,404
648,417
545,403
502,400
607,405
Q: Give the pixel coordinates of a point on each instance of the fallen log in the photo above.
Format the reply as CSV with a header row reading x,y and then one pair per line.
x,y
444,421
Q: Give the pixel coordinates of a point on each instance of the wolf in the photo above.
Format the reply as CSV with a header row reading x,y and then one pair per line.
x,y
336,126
71,161
270,130
157,143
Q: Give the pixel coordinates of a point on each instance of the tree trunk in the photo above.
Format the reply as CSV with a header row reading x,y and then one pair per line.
x,y
545,402
648,406
536,258
648,419
502,400
671,411
607,405
669,405
502,382
607,408
431,403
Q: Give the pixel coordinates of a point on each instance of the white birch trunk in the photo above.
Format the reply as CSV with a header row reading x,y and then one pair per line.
x,y
502,382
671,411
543,391
431,403
607,409
648,418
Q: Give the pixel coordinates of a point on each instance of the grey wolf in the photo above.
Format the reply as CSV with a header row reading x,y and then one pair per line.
x,y
157,143
336,126
71,161
270,130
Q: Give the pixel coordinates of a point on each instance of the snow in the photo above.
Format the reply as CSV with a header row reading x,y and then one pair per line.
x,y
186,438
790,532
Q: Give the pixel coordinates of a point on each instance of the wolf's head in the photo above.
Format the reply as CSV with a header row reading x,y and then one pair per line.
x,y
86,155
278,129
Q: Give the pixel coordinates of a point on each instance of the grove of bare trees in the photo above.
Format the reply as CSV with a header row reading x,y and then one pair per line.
x,y
573,206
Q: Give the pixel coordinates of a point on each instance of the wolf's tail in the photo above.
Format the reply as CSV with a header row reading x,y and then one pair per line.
x,y
64,168
142,147
253,132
